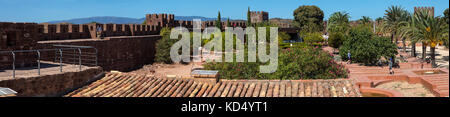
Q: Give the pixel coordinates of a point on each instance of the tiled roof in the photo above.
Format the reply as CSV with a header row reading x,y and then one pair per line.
x,y
131,85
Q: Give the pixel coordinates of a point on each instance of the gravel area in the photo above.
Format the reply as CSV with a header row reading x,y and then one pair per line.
x,y
408,90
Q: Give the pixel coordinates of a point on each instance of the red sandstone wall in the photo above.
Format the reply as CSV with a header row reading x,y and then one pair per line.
x,y
119,53
51,85
85,31
17,36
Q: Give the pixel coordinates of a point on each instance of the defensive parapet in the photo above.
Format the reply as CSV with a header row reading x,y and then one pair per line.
x,y
82,31
17,36
161,20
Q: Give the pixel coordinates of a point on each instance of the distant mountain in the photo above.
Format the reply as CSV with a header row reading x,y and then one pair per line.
x,y
125,20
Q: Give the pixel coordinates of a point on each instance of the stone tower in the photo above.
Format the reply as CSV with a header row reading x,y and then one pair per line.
x,y
160,20
259,16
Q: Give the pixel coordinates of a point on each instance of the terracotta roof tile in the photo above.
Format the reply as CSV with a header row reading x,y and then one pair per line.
x,y
132,85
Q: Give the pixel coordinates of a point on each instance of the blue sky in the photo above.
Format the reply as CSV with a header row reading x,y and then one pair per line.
x,y
49,10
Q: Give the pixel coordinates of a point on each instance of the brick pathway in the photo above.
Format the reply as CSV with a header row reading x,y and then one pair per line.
x,y
368,76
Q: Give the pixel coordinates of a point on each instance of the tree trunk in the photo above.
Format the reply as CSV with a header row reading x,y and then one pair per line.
x,y
392,37
396,38
404,44
413,49
424,51
433,57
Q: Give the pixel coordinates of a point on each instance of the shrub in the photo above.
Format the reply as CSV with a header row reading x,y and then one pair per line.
x,y
336,40
163,47
311,38
366,48
294,63
307,63
283,36
294,45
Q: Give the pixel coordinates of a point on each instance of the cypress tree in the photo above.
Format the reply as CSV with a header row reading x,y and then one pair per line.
x,y
228,22
219,22
249,20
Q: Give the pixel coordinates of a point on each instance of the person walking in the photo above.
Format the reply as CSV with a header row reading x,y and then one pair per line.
x,y
349,56
390,66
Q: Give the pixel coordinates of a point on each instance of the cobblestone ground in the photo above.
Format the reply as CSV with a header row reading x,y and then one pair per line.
x,y
408,90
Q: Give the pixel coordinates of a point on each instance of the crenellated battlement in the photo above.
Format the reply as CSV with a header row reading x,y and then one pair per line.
x,y
161,20
82,31
259,16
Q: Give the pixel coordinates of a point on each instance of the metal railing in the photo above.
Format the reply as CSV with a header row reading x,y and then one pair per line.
x,y
64,54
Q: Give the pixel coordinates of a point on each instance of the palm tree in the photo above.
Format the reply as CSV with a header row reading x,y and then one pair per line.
x,y
433,30
408,30
338,22
404,17
379,22
365,20
392,20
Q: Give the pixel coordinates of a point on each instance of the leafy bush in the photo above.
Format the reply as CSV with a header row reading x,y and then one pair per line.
x,y
307,63
294,45
336,40
163,47
283,36
294,63
366,48
311,38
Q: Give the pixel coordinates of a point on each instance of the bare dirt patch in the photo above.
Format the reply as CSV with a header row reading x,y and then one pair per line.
x,y
408,90
162,70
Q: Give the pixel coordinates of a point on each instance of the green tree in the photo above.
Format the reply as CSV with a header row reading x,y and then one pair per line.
x,y
309,18
433,31
365,20
366,48
404,17
379,22
392,20
338,22
249,18
163,47
294,64
408,30
336,40
228,22
219,21
446,15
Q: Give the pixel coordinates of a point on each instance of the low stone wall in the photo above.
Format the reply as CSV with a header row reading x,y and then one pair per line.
x,y
52,85
123,53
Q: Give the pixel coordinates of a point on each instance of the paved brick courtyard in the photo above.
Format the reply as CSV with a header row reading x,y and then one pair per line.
x,y
370,76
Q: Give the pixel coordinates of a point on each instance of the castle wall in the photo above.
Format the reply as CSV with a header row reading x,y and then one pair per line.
x,y
123,53
259,16
17,36
83,31
52,85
